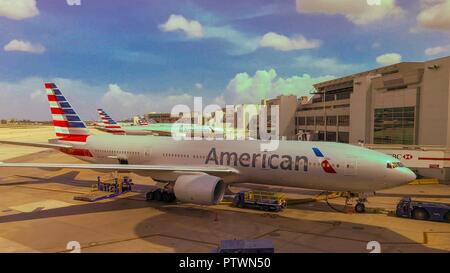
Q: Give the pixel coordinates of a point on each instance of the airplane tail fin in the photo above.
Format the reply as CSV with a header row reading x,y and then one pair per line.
x,y
67,123
109,124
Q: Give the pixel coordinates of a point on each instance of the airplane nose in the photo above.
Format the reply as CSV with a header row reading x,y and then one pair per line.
x,y
407,175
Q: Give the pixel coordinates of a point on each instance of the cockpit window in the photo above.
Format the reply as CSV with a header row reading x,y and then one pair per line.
x,y
393,165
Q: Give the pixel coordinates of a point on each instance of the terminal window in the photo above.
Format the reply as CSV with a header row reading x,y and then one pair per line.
x,y
320,120
321,136
394,125
330,136
344,120
343,137
330,97
331,120
317,98
301,121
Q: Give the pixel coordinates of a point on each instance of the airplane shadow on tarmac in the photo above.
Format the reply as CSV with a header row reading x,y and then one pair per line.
x,y
203,226
192,228
68,178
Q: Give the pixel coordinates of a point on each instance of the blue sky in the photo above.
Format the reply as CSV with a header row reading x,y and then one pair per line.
x,y
138,56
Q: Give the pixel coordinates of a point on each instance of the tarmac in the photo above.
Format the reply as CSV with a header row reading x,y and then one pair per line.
x,y
38,214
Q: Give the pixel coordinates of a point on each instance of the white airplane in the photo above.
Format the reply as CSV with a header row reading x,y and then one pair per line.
x,y
109,125
198,171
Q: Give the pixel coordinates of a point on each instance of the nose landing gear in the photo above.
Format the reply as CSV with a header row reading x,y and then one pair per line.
x,y
360,207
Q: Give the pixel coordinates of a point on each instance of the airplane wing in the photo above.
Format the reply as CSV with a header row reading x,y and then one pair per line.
x,y
159,133
38,145
139,169
143,132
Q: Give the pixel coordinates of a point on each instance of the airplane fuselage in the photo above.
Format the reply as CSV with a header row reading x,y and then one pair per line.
x,y
314,165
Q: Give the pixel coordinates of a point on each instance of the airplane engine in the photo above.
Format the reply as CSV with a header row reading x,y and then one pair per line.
x,y
199,189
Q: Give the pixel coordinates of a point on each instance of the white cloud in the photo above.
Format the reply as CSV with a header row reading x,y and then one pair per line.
x,y
389,58
18,9
24,46
327,66
26,99
283,43
125,104
435,14
244,88
431,51
192,28
242,43
357,11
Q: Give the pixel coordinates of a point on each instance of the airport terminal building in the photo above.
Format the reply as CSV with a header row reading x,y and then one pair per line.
x,y
401,109
406,103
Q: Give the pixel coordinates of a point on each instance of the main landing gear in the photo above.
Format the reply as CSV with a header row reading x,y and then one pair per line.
x,y
161,194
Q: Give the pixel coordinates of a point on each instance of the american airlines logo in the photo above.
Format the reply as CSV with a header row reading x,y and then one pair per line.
x,y
326,166
258,160
266,160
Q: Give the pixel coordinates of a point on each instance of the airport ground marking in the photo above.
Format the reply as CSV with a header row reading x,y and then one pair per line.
x,y
110,242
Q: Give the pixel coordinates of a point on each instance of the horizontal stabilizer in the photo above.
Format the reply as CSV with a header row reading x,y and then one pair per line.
x,y
38,145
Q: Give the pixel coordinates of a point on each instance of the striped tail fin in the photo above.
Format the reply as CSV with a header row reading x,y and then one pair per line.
x,y
109,124
67,123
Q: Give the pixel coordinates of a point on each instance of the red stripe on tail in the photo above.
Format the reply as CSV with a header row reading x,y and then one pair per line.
x,y
56,111
51,98
61,123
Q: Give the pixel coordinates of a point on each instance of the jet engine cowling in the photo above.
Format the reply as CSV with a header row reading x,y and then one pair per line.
x,y
201,189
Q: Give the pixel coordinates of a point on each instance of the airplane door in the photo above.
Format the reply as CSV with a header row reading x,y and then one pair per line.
x,y
350,167
146,155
